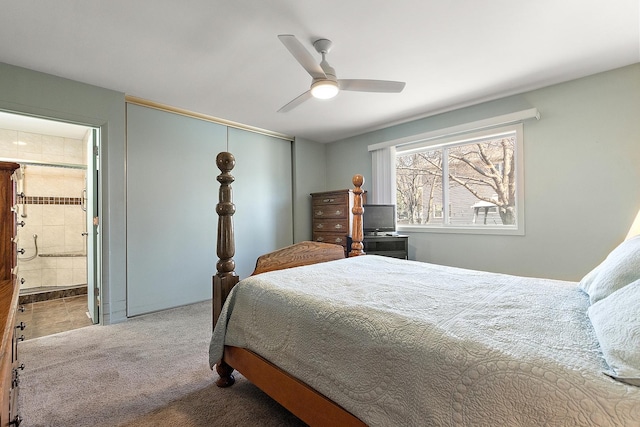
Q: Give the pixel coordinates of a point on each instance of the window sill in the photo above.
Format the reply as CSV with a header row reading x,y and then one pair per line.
x,y
500,231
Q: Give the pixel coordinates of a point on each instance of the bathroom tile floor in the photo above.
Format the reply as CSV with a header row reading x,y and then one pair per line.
x,y
53,316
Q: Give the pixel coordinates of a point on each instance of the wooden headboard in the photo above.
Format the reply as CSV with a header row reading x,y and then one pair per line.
x,y
298,254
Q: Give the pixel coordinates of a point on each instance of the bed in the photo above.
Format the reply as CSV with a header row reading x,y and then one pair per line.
x,y
369,340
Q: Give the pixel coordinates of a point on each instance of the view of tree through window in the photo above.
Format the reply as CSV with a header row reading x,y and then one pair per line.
x,y
479,177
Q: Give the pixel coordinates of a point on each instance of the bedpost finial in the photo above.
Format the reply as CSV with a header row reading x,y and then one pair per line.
x,y
225,161
358,180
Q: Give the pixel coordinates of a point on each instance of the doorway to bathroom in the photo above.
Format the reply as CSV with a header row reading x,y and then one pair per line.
x,y
57,188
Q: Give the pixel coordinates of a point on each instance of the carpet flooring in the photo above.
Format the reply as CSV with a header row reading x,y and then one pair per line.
x,y
149,371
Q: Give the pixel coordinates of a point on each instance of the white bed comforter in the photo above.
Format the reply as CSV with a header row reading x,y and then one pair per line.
x,y
402,343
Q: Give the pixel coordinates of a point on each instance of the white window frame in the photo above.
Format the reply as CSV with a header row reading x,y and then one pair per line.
x,y
462,139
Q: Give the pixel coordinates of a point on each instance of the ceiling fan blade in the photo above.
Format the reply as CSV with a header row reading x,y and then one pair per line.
x,y
371,85
297,101
302,55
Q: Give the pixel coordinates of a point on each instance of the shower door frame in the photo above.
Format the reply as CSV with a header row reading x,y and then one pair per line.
x,y
93,225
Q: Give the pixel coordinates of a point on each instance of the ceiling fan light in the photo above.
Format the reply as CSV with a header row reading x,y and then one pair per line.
x,y
324,89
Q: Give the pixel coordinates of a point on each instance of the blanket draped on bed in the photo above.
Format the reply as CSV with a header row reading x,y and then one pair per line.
x,y
408,343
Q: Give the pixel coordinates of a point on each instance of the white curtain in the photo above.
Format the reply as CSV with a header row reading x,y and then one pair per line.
x,y
383,187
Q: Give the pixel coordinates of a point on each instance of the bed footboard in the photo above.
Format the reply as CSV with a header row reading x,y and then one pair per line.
x,y
303,401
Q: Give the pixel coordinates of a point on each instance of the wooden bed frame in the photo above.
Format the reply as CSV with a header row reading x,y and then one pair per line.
x,y
302,400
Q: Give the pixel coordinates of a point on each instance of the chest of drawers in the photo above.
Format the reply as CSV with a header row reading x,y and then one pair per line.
x,y
332,216
9,292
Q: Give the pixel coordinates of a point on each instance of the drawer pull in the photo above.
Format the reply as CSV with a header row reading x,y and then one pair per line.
x,y
319,213
338,226
15,382
338,212
320,226
328,200
320,239
21,326
338,239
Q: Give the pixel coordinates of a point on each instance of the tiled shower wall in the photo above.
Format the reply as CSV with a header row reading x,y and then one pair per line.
x,y
51,209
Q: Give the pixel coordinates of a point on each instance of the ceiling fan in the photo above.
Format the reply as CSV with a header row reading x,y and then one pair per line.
x,y
325,84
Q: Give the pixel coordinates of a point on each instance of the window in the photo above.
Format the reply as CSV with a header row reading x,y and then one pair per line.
x,y
470,183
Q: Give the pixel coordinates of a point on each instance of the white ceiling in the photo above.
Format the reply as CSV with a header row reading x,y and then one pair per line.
x,y
223,58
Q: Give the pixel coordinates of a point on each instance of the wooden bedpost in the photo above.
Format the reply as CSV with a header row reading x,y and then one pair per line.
x,y
226,277
357,210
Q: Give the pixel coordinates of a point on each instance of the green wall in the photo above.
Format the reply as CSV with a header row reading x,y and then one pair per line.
x,y
581,173
581,177
309,176
38,94
33,93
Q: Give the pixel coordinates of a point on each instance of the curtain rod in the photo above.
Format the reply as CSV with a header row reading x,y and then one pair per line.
x,y
504,119
169,109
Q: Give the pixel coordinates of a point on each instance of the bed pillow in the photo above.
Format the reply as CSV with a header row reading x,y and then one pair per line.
x,y
621,267
616,322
